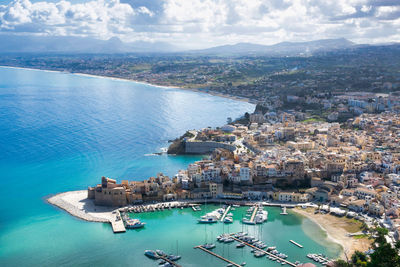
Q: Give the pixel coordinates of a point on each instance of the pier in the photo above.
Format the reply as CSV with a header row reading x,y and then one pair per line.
x,y
226,212
266,252
117,224
297,244
218,256
169,261
254,214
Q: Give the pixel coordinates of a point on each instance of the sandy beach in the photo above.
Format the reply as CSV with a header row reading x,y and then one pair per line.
x,y
338,230
197,90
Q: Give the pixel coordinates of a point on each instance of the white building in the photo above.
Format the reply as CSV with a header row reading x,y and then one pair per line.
x,y
245,174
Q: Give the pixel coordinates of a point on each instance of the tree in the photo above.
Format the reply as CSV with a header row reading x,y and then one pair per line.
x,y
384,255
359,259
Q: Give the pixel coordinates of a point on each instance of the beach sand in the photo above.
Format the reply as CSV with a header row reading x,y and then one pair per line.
x,y
338,230
77,204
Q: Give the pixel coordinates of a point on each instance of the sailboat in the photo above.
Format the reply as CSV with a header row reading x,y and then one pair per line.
x,y
207,245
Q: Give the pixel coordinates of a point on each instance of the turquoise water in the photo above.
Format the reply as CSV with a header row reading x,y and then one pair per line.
x,y
178,231
61,132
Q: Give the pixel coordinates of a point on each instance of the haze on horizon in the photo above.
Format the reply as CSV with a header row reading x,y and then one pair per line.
x,y
197,24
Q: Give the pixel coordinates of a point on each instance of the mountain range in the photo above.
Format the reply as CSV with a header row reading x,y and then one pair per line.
x,y
63,44
283,48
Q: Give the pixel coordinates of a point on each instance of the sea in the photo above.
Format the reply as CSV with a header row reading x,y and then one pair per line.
x,y
62,132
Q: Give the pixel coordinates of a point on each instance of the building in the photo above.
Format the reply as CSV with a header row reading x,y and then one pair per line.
x,y
215,189
108,193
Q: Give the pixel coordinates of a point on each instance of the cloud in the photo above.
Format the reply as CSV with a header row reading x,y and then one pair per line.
x,y
202,23
101,19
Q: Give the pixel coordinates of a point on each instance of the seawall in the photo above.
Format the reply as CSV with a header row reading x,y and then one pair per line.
x,y
204,147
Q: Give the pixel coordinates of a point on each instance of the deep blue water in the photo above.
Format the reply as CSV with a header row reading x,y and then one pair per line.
x,y
61,132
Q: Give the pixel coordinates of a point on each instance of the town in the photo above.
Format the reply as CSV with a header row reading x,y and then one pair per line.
x,y
352,166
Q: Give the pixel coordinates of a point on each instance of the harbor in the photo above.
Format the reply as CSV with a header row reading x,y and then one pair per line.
x,y
179,218
271,234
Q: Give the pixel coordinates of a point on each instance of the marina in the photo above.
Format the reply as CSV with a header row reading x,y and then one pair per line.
x,y
264,252
218,256
271,233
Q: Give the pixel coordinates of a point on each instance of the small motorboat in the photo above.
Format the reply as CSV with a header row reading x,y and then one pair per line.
x,y
208,246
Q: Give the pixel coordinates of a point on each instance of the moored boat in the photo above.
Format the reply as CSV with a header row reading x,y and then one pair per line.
x,y
207,220
208,246
151,254
134,224
228,220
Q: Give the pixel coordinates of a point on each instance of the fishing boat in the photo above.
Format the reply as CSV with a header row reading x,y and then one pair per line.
x,y
134,224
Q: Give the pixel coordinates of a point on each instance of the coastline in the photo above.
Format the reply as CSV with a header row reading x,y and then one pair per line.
x,y
334,228
78,205
196,90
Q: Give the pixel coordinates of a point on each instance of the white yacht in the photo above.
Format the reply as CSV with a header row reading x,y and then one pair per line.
x,y
207,219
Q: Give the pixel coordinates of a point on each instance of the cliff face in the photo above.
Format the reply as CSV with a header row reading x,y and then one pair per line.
x,y
177,147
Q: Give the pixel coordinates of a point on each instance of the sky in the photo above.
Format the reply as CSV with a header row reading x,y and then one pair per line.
x,y
205,23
